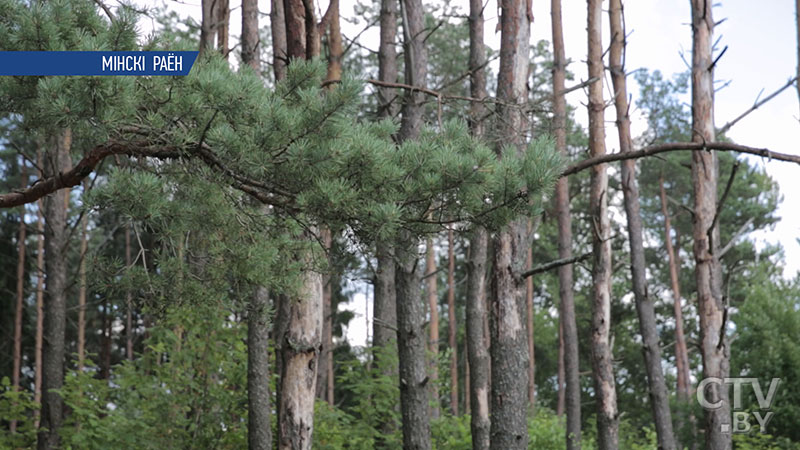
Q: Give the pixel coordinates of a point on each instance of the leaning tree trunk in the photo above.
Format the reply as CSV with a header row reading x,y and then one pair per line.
x,y
452,322
56,237
509,428
432,291
659,396
602,361
681,351
708,271
477,336
567,324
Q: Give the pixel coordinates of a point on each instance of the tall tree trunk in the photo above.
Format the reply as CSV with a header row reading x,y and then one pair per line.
x,y
20,295
128,300
295,17
324,379
477,334
250,40
708,271
452,322
300,361
82,285
602,361
280,50
223,16
530,315
259,430
56,238
37,378
414,398
659,396
432,292
567,324
561,400
509,351
335,49
467,404
105,322
410,311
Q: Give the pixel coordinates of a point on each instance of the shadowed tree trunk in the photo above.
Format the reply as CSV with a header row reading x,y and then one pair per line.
x,y
477,336
708,271
12,426
56,235
82,284
324,378
568,351
207,25
223,16
37,377
659,396
387,58
602,360
410,311
529,305
432,292
128,300
452,322
509,351
250,40
259,430
561,400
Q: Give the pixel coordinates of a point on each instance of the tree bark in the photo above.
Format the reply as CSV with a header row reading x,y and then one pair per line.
x,y
259,430
452,322
530,316
432,292
223,14
659,396
602,360
411,347
410,311
708,271
561,400
82,286
207,25
128,300
295,28
567,323
477,333
250,40
37,379
387,58
17,364
300,344
509,351
324,377
335,50
56,239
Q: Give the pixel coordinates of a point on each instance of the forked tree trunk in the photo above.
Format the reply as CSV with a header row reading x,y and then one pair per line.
x,y
477,315
509,351
602,361
17,367
432,291
657,387
452,322
56,238
568,351
708,271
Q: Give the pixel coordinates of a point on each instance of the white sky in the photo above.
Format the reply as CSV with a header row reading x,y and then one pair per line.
x,y
762,54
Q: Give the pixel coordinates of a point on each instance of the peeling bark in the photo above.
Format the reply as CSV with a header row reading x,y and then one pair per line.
x,y
708,270
602,360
